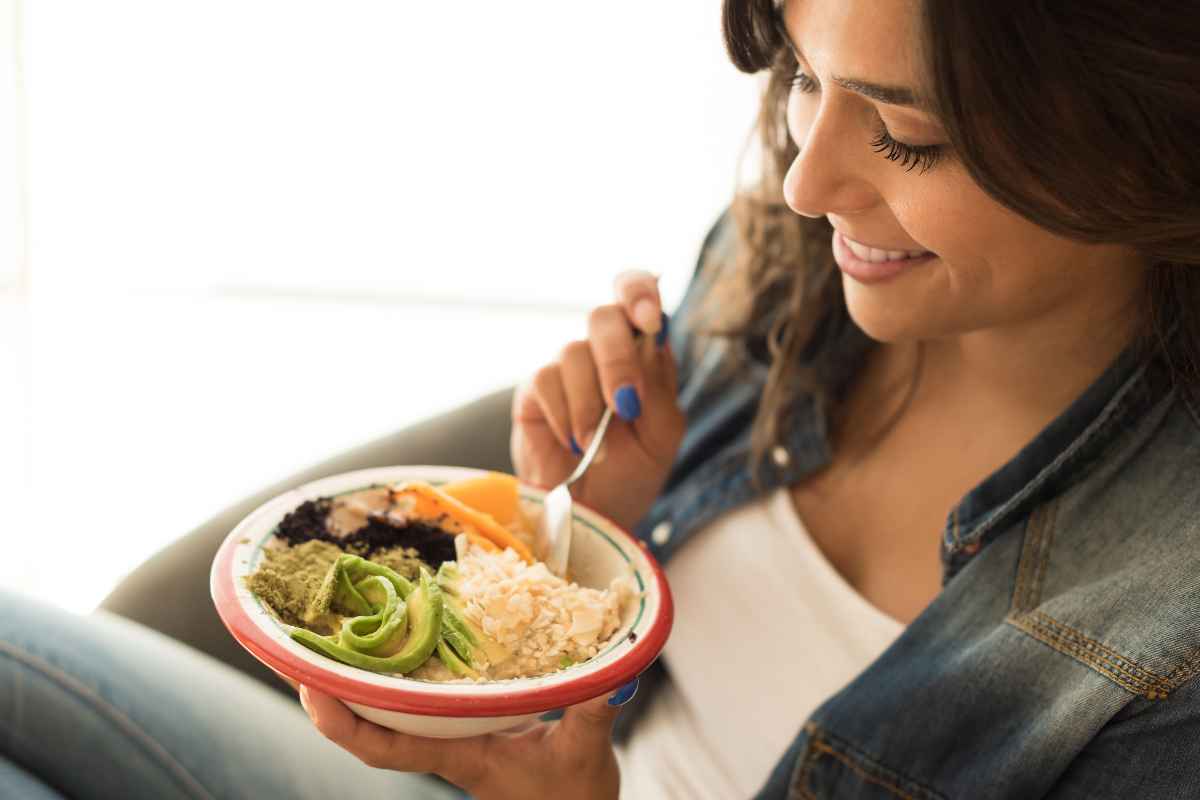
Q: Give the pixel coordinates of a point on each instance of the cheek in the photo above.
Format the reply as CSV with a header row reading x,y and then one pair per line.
x,y
944,211
987,252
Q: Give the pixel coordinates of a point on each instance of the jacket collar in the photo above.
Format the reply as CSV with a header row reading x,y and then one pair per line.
x,y
1060,456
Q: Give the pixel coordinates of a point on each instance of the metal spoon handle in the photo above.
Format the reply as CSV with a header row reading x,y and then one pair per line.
x,y
592,449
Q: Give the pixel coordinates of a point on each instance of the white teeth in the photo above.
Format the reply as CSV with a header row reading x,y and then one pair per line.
x,y
875,255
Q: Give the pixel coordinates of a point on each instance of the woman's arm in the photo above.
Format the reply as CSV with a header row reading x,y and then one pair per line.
x,y
1151,749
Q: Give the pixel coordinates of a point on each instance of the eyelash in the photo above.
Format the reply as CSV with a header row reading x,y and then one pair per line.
x,y
909,156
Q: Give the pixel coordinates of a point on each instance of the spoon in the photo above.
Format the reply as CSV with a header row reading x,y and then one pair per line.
x,y
554,529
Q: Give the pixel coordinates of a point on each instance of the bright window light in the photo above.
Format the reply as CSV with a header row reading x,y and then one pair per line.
x,y
416,203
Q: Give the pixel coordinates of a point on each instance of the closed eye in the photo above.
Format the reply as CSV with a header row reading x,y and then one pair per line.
x,y
909,156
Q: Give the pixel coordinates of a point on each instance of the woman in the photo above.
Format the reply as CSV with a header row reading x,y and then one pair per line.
x,y
938,481
920,451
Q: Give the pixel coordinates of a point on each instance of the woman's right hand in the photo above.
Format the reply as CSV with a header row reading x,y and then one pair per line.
x,y
556,412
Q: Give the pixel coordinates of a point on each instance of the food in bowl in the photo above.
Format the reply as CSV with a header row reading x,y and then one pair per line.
x,y
432,583
601,551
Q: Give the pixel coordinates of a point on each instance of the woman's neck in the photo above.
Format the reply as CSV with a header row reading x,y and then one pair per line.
x,y
1033,370
997,387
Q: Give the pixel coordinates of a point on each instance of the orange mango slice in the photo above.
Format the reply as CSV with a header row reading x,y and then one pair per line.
x,y
494,493
453,514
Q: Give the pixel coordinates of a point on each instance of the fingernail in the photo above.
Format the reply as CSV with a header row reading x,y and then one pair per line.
x,y
304,699
624,694
646,314
575,447
551,716
629,407
661,338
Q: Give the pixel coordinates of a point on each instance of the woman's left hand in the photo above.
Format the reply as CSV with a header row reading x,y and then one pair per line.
x,y
575,752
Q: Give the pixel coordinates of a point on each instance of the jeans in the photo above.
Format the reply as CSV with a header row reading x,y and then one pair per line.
x,y
100,707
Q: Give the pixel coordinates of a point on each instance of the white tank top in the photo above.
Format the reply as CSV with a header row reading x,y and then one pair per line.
x,y
765,630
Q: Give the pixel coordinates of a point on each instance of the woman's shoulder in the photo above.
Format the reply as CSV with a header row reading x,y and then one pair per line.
x,y
1150,748
1109,571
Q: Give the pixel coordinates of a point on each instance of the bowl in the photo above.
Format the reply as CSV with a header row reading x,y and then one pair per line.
x,y
600,551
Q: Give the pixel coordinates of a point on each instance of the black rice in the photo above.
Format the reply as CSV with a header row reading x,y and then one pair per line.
x,y
308,522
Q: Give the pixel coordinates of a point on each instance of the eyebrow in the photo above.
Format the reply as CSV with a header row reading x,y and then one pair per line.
x,y
891,95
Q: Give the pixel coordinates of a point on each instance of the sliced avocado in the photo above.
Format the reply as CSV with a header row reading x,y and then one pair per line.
x,y
477,648
376,590
345,596
457,635
447,577
424,612
468,640
340,589
453,662
362,567
381,633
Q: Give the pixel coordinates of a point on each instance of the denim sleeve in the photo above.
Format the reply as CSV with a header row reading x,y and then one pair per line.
x,y
1150,750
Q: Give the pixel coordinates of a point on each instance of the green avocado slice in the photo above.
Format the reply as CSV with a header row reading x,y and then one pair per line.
x,y
381,633
424,612
453,662
467,639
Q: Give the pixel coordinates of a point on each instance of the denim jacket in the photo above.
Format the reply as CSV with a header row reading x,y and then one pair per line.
x,y
1059,658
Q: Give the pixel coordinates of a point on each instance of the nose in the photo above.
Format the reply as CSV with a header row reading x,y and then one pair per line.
x,y
825,177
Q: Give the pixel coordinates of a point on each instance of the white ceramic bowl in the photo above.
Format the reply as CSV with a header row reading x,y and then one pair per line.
x,y
600,551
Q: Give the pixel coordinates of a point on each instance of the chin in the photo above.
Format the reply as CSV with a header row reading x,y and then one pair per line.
x,y
887,316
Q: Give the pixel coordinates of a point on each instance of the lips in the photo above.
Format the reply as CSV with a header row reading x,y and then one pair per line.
x,y
878,255
875,265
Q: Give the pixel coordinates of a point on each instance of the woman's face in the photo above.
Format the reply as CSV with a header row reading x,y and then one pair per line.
x,y
959,261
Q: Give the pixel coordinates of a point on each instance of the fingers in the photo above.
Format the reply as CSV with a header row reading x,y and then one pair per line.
x,y
662,423
564,396
549,403
379,747
625,363
538,452
637,292
569,395
585,402
618,362
614,366
588,726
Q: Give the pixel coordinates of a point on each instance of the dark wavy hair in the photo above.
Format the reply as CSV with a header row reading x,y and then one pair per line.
x,y
1083,117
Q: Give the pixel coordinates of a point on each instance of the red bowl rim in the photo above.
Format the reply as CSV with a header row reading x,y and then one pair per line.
x,y
516,702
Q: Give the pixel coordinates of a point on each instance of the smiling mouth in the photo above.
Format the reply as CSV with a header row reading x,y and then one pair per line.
x,y
874,265
877,255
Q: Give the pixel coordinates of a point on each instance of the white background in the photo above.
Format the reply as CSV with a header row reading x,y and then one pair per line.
x,y
239,236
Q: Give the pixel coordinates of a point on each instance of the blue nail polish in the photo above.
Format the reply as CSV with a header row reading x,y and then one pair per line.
x,y
551,716
661,337
629,407
575,447
624,694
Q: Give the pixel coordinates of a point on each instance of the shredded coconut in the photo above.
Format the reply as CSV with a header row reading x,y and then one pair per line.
x,y
543,620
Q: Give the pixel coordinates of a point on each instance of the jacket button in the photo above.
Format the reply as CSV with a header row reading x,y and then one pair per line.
x,y
661,533
780,456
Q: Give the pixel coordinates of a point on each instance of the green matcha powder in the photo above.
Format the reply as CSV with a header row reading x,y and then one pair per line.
x,y
297,582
